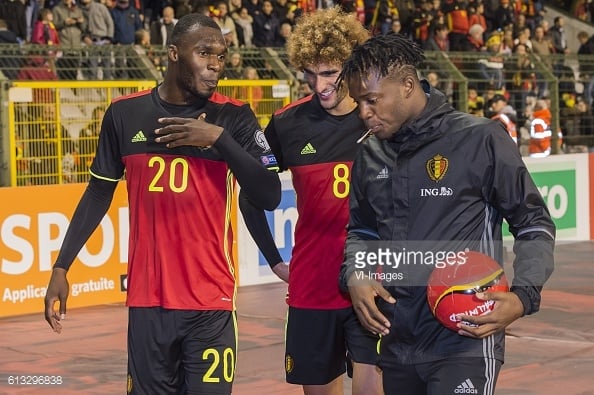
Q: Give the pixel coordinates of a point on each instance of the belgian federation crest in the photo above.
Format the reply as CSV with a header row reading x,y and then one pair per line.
x,y
437,167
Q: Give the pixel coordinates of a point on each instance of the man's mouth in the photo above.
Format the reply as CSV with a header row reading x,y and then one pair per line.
x,y
211,83
326,94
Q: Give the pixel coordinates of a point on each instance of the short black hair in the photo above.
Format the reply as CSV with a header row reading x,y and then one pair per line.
x,y
191,22
381,55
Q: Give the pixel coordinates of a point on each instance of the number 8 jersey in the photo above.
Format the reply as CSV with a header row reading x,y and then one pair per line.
x,y
179,200
318,148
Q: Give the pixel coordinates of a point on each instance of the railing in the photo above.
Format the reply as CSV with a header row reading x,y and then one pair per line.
x,y
53,126
566,82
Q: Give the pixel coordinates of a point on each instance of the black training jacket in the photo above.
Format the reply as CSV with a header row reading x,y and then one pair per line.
x,y
446,179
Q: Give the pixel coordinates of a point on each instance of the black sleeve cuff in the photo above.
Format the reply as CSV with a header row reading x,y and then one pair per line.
x,y
530,299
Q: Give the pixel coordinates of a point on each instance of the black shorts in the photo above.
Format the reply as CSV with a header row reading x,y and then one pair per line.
x,y
317,343
459,375
181,351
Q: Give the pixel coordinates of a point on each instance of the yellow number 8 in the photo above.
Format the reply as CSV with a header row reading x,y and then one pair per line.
x,y
341,184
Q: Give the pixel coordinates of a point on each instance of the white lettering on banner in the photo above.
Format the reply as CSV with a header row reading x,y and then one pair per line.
x,y
280,219
20,295
17,243
15,234
556,198
91,260
33,292
102,284
47,244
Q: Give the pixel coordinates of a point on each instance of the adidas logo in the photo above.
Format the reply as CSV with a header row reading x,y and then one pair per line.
x,y
308,149
383,173
466,387
138,137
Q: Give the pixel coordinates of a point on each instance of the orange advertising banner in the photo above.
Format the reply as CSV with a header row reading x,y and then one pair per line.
x,y
33,223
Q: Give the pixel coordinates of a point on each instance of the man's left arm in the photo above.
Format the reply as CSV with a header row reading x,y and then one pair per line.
x,y
514,194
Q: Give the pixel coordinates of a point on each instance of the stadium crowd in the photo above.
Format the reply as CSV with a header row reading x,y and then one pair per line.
x,y
504,83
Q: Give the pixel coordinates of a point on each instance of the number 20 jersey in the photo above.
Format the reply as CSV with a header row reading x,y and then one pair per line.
x,y
318,149
179,200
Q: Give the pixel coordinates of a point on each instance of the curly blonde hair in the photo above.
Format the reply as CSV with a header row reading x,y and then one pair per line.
x,y
324,36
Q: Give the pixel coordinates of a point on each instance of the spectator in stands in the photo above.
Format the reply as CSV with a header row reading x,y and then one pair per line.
x,y
303,89
281,9
396,26
433,79
421,21
252,94
7,36
160,30
183,8
581,11
476,103
519,24
474,40
504,15
98,38
44,30
522,78
491,66
490,6
70,23
266,27
285,32
558,36
476,15
542,47
254,7
381,13
267,73
12,61
225,21
142,39
586,65
439,40
575,122
14,13
36,68
507,41
457,19
244,24
45,33
499,110
87,143
234,7
523,38
126,20
234,67
540,130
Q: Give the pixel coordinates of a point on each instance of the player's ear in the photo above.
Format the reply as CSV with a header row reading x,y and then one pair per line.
x,y
172,52
409,86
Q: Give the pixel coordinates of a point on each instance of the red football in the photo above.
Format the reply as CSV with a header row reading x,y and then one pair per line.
x,y
451,290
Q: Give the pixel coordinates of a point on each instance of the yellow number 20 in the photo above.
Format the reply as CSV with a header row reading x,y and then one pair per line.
x,y
177,166
228,365
341,184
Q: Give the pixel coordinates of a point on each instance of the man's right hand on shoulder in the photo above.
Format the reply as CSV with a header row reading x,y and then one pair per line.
x,y
363,292
281,269
57,291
